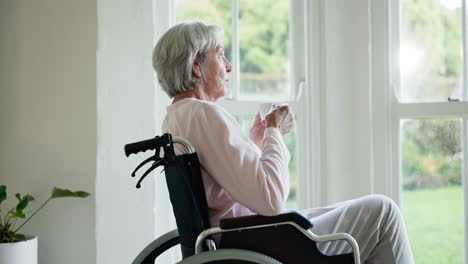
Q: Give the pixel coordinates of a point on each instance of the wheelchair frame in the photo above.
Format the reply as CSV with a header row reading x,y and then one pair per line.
x,y
204,241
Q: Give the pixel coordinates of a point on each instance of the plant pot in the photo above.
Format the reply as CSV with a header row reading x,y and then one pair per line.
x,y
23,252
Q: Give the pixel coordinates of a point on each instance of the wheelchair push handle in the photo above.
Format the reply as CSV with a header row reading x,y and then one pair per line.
x,y
148,144
165,142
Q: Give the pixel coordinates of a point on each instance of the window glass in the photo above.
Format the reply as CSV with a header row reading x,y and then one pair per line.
x,y
430,51
432,188
263,42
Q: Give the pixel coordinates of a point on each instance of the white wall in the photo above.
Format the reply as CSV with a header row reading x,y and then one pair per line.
x,y
126,113
164,221
346,93
48,119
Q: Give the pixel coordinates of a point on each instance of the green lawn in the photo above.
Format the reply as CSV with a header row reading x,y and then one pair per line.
x,y
434,219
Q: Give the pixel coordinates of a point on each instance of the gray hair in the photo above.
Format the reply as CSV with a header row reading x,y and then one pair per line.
x,y
176,51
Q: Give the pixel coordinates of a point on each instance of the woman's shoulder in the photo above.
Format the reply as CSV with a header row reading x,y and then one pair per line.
x,y
207,107
191,102
196,108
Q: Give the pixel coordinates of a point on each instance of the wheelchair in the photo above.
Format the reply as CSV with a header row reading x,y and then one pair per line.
x,y
284,238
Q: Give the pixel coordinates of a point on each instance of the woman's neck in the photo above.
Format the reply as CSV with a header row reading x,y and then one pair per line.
x,y
182,96
196,93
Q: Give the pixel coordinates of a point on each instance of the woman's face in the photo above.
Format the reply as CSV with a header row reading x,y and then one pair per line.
x,y
215,71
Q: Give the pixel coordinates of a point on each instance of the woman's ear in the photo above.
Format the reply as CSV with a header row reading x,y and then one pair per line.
x,y
196,68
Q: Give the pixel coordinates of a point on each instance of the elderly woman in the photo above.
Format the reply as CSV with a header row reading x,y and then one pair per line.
x,y
249,175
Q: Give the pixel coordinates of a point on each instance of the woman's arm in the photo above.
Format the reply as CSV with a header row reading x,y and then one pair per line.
x,y
259,180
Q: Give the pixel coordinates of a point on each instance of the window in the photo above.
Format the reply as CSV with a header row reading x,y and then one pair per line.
x,y
430,110
257,39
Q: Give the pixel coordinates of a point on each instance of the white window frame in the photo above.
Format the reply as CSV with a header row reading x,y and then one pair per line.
x,y
310,152
387,111
305,95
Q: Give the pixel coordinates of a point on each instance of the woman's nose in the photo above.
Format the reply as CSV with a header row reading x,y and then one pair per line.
x,y
228,66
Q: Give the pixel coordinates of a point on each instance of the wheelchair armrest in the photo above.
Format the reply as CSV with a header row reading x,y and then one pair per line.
x,y
157,247
256,220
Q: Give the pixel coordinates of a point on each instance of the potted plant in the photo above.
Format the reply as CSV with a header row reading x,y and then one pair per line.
x,y
16,248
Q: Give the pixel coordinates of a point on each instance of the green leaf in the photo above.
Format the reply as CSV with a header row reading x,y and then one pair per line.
x,y
3,194
58,193
18,214
24,202
19,237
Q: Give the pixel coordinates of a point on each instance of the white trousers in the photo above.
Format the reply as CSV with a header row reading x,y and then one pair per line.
x,y
375,223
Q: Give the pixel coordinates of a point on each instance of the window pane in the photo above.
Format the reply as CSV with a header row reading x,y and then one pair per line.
x,y
290,140
432,188
430,50
263,42
212,12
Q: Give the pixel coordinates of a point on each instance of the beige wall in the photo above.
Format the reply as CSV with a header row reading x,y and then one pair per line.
x,y
48,118
76,85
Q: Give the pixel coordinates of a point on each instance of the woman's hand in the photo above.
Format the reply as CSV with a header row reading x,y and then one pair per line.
x,y
257,131
282,117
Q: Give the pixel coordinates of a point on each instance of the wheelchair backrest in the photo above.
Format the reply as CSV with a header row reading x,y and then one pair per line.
x,y
187,195
184,182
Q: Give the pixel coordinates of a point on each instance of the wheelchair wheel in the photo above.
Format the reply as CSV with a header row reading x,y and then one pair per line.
x,y
225,256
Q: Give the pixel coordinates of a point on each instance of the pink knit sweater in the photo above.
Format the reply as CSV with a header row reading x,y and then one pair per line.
x,y
240,179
